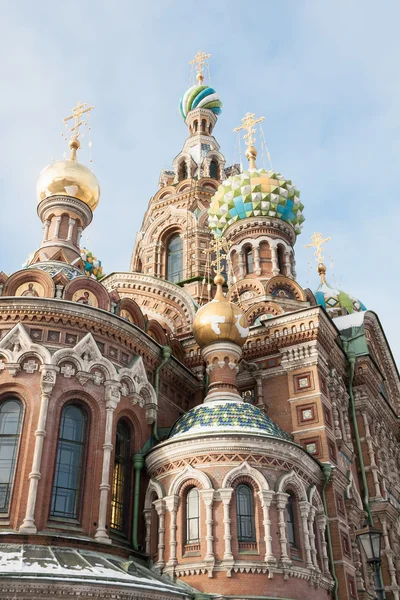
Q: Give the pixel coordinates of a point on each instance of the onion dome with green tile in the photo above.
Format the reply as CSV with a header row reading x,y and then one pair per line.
x,y
255,193
227,416
200,96
336,302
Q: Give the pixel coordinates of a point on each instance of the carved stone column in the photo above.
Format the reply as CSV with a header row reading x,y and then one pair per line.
x,y
57,227
311,518
281,501
46,226
321,523
78,239
160,508
388,552
241,264
147,521
371,454
304,511
208,498
112,397
172,503
226,496
288,266
48,380
266,497
274,260
257,266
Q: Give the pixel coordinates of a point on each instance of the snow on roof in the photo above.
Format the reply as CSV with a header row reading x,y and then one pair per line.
x,y
354,320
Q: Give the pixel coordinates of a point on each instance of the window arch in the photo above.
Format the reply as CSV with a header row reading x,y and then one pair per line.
x,y
67,485
175,258
196,125
290,522
183,171
121,479
281,258
10,426
248,256
192,516
203,124
245,514
214,169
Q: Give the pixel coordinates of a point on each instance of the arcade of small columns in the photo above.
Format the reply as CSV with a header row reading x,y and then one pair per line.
x,y
167,508
238,259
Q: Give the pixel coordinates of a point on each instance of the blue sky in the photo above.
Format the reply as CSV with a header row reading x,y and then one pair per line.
x,y
324,74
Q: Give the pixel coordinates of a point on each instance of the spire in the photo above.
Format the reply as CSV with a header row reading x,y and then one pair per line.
x,y
318,242
248,123
80,109
198,61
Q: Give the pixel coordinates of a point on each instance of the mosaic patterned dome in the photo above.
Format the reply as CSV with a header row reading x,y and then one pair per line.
x,y
92,265
254,193
227,416
200,96
334,300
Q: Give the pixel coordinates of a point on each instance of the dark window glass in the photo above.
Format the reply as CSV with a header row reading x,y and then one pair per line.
x,y
10,424
281,259
120,484
175,259
196,125
249,260
291,535
203,124
192,517
183,171
69,463
245,514
214,169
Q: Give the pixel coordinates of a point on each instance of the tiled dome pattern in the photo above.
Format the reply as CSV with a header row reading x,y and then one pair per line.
x,y
333,300
227,416
200,96
254,193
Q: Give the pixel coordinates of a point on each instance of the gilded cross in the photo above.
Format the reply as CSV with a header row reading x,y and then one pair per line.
x,y
80,109
248,123
199,61
317,242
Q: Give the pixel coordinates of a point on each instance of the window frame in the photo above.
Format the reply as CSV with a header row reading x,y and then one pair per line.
x,y
248,252
127,484
188,540
177,275
250,515
11,482
290,511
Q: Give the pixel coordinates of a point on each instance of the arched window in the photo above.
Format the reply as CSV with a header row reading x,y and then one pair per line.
x,y
121,479
67,486
281,259
175,258
248,255
10,425
183,171
214,170
290,522
192,517
196,125
245,514
203,124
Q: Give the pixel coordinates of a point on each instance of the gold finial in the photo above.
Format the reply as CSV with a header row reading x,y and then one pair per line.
x,y
317,242
80,109
248,123
199,61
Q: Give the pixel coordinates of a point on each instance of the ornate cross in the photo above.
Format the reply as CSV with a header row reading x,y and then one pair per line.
x,y
317,242
220,248
199,61
80,109
248,123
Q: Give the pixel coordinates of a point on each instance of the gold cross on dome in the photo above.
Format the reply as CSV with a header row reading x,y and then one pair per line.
x,y
317,242
80,109
199,61
248,123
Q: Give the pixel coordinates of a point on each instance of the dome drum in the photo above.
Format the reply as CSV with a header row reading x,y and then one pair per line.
x,y
75,207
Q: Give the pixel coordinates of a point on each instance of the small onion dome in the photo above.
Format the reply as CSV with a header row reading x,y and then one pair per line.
x,y
336,302
199,96
69,178
92,265
254,193
227,416
220,320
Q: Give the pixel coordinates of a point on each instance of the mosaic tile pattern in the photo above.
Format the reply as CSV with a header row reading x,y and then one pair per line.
x,y
334,300
199,96
254,193
227,416
53,268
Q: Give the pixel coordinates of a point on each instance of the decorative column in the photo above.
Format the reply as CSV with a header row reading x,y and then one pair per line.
x,y
71,224
79,236
46,226
160,508
226,495
241,264
112,397
57,227
208,498
311,519
172,503
274,260
47,382
147,521
371,454
281,501
304,511
288,266
321,523
266,497
388,552
257,266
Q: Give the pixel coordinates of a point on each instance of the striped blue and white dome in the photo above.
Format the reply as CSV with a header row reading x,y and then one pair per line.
x,y
200,96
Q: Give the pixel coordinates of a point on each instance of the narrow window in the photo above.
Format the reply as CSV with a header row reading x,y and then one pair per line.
x,y
10,425
291,534
121,479
183,171
245,514
175,259
281,259
203,124
248,254
214,171
69,462
192,517
196,125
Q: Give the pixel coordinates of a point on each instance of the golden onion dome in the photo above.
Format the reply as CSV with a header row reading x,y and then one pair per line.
x,y
220,320
69,178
